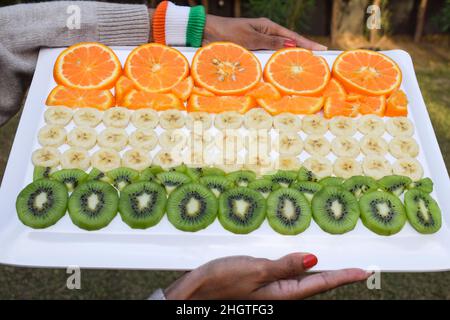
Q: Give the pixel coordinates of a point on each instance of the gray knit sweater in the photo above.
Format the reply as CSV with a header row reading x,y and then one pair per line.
x,y
25,28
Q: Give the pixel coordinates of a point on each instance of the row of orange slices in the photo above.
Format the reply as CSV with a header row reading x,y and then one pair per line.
x,y
225,76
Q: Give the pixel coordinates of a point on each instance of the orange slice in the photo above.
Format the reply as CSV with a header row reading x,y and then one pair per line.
x,y
225,68
183,89
87,65
264,90
158,101
339,106
397,104
333,88
297,71
219,104
123,86
80,98
367,72
202,92
156,68
292,104
372,105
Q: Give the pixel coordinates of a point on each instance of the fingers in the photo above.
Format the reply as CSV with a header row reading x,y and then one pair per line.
x,y
268,42
289,266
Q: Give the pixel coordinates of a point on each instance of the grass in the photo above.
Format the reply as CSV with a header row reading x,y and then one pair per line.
x,y
432,63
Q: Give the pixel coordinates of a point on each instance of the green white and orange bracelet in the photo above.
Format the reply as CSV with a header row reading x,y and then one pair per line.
x,y
178,25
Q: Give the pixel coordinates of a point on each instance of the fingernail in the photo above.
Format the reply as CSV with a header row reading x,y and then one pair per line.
x,y
309,261
320,47
288,43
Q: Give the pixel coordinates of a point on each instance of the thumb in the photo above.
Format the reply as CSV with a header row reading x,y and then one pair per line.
x,y
291,265
262,41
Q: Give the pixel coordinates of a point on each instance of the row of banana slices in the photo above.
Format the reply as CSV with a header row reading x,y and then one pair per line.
x,y
257,118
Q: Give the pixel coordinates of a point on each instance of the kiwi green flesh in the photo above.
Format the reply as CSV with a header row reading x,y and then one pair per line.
x,y
71,178
425,185
288,211
42,172
394,184
147,175
217,184
191,207
304,174
241,210
335,210
359,185
93,205
241,178
96,174
283,177
331,181
42,203
172,180
263,186
307,188
194,173
211,171
142,204
121,177
382,212
423,211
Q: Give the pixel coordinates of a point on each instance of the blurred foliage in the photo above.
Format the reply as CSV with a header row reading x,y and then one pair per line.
x,y
442,20
293,14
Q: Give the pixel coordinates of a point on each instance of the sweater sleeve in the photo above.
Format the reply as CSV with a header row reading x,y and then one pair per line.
x,y
25,28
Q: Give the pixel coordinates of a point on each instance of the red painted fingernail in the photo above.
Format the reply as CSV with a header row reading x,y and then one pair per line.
x,y
309,261
289,43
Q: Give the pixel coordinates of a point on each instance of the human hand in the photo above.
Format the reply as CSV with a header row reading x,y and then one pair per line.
x,y
243,277
254,34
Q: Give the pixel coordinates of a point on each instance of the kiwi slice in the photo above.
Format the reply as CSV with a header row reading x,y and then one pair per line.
x,y
331,181
191,207
93,205
382,212
142,204
147,175
283,177
96,174
288,211
308,188
241,210
394,184
42,203
217,184
263,186
241,178
121,177
359,185
211,171
42,172
304,174
423,211
335,210
172,179
70,177
194,173
180,168
425,185
155,169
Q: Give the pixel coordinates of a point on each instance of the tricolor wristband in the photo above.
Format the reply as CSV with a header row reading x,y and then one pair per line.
x,y
178,25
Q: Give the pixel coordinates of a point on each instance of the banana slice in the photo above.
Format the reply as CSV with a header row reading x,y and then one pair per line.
x,y
257,118
116,117
400,126
143,139
320,166
145,119
228,163
372,145
315,124
198,121
75,158
200,140
288,143
408,167
167,159
46,157
259,164
82,137
287,163
376,167
229,142
113,138
347,167
317,145
137,159
60,116
197,155
52,135
87,117
258,143
106,159
172,139
371,124
171,119
342,126
401,147
228,120
345,146
287,122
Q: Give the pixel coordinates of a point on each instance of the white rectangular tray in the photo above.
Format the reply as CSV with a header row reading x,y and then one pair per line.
x,y
164,247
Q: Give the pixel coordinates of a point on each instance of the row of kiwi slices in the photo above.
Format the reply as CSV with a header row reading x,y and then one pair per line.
x,y
194,197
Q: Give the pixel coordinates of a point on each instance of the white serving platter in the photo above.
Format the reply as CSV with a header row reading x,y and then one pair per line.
x,y
164,247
